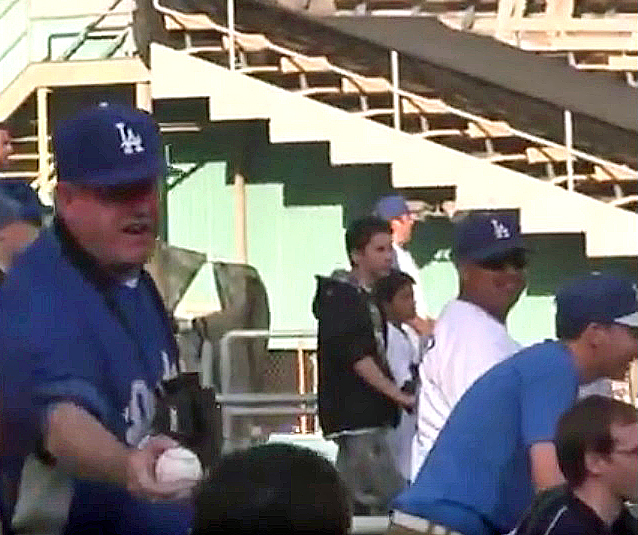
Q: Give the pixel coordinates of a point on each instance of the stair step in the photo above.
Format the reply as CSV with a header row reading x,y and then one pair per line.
x,y
18,174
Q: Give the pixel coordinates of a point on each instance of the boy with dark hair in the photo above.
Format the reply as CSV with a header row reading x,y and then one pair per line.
x,y
496,449
395,295
596,446
273,489
358,399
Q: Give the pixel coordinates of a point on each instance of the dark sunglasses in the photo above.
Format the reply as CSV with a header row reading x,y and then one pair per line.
x,y
516,259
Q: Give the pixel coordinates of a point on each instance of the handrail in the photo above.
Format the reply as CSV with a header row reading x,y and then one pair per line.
x,y
77,43
8,7
224,351
414,97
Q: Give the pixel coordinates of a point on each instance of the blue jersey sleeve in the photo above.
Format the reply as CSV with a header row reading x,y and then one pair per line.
x,y
544,398
45,359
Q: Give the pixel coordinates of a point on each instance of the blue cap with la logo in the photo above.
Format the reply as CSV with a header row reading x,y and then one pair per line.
x,y
483,235
108,145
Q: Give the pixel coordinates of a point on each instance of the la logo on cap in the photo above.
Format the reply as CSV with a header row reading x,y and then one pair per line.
x,y
501,232
131,142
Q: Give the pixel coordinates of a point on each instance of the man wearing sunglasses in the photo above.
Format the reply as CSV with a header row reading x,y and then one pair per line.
x,y
496,449
470,335
596,445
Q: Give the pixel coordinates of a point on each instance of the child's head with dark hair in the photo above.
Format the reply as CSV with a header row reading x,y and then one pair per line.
x,y
597,426
273,489
395,294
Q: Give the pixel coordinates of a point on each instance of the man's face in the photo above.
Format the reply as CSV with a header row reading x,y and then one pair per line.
x,y
6,148
403,306
375,259
617,349
14,238
116,225
620,471
495,284
402,228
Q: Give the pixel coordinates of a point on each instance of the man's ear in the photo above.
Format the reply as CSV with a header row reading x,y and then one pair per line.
x,y
464,274
595,463
594,334
355,257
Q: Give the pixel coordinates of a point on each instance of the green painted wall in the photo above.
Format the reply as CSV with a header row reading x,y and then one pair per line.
x,y
298,206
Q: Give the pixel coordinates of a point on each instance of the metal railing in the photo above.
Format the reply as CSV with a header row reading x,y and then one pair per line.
x,y
398,93
249,403
83,35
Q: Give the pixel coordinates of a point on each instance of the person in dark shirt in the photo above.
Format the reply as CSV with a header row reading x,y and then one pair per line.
x,y
596,445
358,398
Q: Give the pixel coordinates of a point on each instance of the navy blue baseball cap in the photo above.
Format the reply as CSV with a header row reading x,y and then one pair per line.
x,y
25,199
391,207
597,298
109,145
481,236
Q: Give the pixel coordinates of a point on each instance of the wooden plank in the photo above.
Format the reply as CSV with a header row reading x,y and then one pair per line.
x,y
496,158
603,25
365,85
304,64
604,174
440,132
488,129
423,106
574,43
623,63
185,21
256,69
545,154
248,42
318,90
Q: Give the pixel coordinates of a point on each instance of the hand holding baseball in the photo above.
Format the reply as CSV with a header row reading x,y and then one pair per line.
x,y
142,477
177,464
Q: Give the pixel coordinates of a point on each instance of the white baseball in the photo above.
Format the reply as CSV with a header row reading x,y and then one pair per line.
x,y
177,463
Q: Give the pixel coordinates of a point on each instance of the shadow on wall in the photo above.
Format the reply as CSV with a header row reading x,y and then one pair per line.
x,y
310,180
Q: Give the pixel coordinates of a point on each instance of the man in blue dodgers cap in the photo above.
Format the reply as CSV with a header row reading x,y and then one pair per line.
x,y
85,342
470,335
395,210
496,448
20,220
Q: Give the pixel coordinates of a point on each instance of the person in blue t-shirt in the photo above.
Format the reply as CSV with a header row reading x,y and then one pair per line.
x,y
85,343
496,449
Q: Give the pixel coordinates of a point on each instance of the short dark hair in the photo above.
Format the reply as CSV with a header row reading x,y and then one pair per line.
x,y
361,231
567,330
273,489
586,427
387,287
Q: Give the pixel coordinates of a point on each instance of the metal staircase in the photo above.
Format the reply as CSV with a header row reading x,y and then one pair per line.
x,y
423,116
102,53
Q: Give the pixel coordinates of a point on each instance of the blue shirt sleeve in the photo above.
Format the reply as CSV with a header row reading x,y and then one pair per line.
x,y
544,398
46,358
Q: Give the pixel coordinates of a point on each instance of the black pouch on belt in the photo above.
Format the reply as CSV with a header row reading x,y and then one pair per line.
x,y
190,414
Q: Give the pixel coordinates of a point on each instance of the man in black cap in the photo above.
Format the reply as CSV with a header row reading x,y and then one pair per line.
x,y
85,341
470,335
